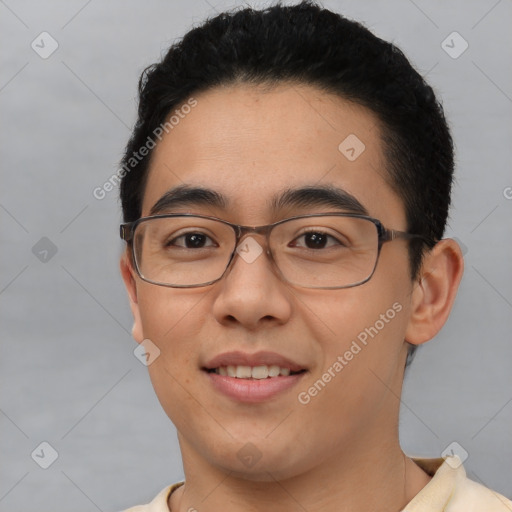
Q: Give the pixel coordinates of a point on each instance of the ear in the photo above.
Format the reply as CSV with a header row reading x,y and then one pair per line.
x,y
435,290
130,281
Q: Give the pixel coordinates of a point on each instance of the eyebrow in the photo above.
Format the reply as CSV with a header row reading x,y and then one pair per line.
x,y
301,198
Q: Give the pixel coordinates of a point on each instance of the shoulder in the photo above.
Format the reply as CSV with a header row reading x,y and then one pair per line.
x,y
471,496
450,490
159,502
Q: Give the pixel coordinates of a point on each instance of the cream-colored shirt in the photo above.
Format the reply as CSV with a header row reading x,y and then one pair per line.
x,y
449,490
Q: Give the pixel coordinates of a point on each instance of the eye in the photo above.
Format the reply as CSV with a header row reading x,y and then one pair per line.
x,y
315,239
191,240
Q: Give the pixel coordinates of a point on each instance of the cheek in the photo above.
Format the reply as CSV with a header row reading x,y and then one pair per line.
x,y
360,332
173,320
363,321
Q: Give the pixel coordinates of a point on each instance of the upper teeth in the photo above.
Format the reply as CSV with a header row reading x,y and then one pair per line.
x,y
255,372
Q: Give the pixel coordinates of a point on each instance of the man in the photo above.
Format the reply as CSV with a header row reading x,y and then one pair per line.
x,y
285,193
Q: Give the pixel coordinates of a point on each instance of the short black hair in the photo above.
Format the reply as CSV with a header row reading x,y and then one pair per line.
x,y
308,44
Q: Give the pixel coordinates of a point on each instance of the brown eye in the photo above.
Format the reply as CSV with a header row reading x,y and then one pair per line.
x,y
190,240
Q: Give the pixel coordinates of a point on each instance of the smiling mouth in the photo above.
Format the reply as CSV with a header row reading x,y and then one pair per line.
x,y
253,372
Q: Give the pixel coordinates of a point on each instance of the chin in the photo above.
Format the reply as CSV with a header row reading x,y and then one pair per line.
x,y
260,461
262,472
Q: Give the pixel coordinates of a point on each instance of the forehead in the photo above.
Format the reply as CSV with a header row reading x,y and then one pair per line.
x,y
251,146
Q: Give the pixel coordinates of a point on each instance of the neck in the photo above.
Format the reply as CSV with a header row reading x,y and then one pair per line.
x,y
369,475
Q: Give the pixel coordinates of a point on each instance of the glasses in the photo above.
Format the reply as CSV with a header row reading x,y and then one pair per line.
x,y
328,251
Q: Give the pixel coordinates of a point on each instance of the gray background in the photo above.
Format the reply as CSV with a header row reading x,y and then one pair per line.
x,y
68,373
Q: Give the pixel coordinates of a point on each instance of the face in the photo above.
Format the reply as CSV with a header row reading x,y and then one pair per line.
x,y
250,145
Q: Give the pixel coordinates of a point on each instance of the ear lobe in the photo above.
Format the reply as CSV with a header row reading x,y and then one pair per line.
x,y
130,283
435,291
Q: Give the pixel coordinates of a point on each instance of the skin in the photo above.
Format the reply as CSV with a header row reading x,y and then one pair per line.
x,y
340,451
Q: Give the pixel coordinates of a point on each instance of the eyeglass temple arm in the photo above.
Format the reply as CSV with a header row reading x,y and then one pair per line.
x,y
393,234
125,232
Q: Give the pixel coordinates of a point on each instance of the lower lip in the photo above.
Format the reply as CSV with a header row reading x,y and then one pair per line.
x,y
253,390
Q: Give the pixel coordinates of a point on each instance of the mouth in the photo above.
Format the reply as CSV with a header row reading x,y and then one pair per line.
x,y
253,377
254,372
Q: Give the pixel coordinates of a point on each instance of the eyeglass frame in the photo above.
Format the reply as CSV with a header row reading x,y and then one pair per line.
x,y
127,230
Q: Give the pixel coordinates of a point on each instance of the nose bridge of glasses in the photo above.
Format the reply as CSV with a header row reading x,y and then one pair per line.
x,y
260,232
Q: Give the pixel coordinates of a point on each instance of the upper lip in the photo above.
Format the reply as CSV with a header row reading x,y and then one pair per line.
x,y
237,358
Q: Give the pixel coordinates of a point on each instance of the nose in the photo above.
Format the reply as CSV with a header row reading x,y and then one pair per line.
x,y
251,292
